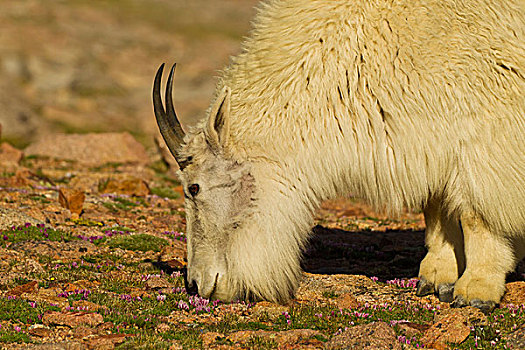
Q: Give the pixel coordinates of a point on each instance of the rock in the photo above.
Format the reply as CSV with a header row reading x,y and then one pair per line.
x,y
9,154
157,283
265,310
56,346
55,213
174,255
12,217
19,179
81,284
30,287
72,199
47,296
176,346
410,329
26,266
303,336
83,331
162,328
472,315
85,305
294,336
131,186
88,182
514,294
108,341
56,250
104,327
209,338
347,301
7,256
72,319
39,330
451,326
376,335
91,149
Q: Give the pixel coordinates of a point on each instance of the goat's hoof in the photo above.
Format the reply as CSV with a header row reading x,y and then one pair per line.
x,y
446,292
459,301
424,287
484,306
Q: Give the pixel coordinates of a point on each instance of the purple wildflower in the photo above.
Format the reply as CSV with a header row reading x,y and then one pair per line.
x,y
287,317
183,305
200,304
403,283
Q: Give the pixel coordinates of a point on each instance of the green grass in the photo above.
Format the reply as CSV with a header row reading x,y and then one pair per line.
x,y
30,232
330,295
40,198
165,192
501,322
188,338
261,343
125,204
119,286
109,166
139,242
22,311
159,167
330,319
120,204
12,336
234,323
145,341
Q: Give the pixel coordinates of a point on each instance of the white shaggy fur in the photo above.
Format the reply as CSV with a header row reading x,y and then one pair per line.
x,y
417,104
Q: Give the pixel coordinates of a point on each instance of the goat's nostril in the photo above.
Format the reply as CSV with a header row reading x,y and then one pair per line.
x,y
192,288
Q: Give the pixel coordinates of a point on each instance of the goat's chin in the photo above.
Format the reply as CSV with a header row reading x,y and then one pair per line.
x,y
224,293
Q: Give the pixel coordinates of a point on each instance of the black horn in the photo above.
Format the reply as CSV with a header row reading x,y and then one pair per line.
x,y
167,120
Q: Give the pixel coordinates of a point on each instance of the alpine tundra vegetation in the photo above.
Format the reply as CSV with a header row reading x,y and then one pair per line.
x,y
416,104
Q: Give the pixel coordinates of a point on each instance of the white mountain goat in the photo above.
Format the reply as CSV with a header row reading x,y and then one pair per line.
x,y
417,104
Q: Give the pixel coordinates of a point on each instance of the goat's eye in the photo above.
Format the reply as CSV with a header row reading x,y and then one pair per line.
x,y
194,189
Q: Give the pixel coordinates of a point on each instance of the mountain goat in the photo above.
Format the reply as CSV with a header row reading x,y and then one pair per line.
x,y
417,104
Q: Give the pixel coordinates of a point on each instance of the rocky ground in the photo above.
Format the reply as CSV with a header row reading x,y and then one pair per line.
x,y
92,252
81,66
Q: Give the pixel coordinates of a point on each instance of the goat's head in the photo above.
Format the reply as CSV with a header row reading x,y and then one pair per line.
x,y
228,255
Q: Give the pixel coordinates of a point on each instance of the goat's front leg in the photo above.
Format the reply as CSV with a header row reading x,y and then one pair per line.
x,y
445,260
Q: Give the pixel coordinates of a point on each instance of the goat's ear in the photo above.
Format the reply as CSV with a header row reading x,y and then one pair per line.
x,y
218,126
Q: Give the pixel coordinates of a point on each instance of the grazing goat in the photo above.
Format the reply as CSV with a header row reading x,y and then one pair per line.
x,y
417,104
